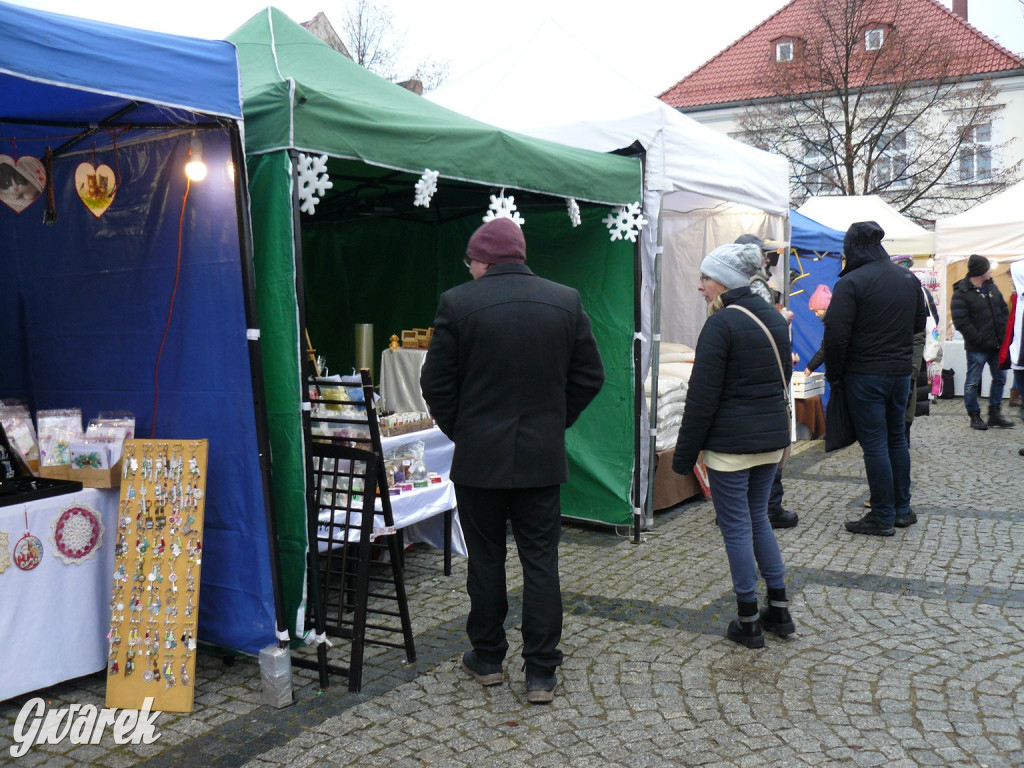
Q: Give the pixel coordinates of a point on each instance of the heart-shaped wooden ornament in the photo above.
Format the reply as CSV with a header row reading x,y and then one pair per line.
x,y
96,186
22,181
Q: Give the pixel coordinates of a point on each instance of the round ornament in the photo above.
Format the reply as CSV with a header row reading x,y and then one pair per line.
x,y
77,534
28,552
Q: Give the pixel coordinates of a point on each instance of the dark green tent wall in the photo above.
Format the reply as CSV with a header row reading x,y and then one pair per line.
x,y
367,255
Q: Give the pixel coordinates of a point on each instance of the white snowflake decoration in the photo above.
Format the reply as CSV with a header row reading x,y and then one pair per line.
x,y
425,188
503,208
625,222
313,181
574,211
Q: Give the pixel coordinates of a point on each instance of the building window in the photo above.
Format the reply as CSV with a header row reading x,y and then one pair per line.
x,y
891,166
873,39
976,153
815,170
784,51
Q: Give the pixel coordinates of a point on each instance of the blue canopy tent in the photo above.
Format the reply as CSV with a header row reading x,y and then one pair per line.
x,y
815,259
124,285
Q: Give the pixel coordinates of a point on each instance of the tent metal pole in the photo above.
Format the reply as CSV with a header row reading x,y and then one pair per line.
x,y
638,386
256,374
312,505
638,356
655,351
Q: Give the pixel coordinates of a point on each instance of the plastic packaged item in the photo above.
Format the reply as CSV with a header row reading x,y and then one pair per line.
x,y
56,429
276,676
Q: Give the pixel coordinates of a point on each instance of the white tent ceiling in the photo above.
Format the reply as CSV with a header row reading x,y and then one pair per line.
x,y
994,229
902,235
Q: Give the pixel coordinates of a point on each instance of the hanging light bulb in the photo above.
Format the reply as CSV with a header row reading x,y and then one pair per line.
x,y
195,168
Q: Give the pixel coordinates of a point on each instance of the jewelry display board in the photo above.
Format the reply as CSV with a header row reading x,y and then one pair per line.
x,y
157,558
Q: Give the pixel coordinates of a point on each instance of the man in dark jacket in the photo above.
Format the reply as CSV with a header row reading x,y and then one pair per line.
x,y
876,309
980,314
511,365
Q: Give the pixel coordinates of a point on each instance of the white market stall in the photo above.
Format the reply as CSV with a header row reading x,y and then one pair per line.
x,y
993,229
701,188
902,235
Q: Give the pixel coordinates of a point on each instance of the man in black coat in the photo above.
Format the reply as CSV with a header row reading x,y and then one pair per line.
x,y
876,309
511,365
980,314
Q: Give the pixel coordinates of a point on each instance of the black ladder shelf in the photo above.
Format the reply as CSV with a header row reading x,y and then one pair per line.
x,y
355,586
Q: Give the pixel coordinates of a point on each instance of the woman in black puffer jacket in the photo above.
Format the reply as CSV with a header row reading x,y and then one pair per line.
x,y
736,413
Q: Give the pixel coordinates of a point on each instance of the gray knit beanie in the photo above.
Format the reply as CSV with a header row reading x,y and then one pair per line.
x,y
732,265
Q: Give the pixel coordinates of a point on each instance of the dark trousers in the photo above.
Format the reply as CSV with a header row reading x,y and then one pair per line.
x,y
536,518
776,493
877,405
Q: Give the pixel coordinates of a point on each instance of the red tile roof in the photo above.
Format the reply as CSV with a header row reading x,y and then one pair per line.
x,y
732,75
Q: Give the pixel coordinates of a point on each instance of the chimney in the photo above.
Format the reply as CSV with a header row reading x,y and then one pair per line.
x,y
960,8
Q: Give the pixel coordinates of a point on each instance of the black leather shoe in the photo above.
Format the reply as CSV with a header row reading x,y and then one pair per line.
x,y
867,525
540,688
782,518
482,672
905,521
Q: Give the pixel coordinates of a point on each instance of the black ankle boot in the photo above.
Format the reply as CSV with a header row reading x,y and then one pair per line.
x,y
746,627
976,421
775,615
995,418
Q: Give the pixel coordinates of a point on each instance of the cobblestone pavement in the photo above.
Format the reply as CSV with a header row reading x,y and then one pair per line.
x,y
909,650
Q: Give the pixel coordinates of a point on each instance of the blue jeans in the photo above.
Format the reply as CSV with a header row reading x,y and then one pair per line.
x,y
741,506
877,406
976,362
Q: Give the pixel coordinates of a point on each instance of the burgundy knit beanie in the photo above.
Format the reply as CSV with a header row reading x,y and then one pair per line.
x,y
496,242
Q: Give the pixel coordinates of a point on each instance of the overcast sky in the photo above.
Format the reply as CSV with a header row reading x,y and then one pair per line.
x,y
654,43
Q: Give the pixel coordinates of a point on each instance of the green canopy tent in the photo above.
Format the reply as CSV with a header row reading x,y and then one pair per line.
x,y
367,254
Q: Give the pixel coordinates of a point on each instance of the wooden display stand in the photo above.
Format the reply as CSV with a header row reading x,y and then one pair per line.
x,y
155,608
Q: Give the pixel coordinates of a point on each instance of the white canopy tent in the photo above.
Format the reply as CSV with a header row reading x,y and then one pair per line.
x,y
902,235
994,229
701,188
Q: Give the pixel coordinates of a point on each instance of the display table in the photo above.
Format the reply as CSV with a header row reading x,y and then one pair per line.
x,y
400,380
671,488
55,617
954,356
810,418
427,515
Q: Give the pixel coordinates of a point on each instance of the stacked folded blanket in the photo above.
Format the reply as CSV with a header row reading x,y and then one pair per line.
x,y
675,363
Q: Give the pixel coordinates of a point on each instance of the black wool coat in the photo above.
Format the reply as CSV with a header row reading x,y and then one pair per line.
x,y
736,399
511,365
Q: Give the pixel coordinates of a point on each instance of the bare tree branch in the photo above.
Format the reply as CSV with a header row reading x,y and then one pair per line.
x,y
376,43
894,121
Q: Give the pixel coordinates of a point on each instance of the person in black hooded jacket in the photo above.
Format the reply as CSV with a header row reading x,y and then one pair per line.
x,y
736,413
876,309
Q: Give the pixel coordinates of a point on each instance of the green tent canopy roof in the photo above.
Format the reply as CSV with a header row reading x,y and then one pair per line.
x,y
299,93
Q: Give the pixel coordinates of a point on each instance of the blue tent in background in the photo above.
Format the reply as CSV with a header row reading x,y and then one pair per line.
x,y
147,305
815,259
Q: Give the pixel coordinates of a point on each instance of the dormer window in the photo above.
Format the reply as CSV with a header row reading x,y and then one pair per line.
x,y
873,39
784,51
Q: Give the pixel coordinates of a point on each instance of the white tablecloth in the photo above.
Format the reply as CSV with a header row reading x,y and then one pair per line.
x,y
54,619
420,513
400,380
954,356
